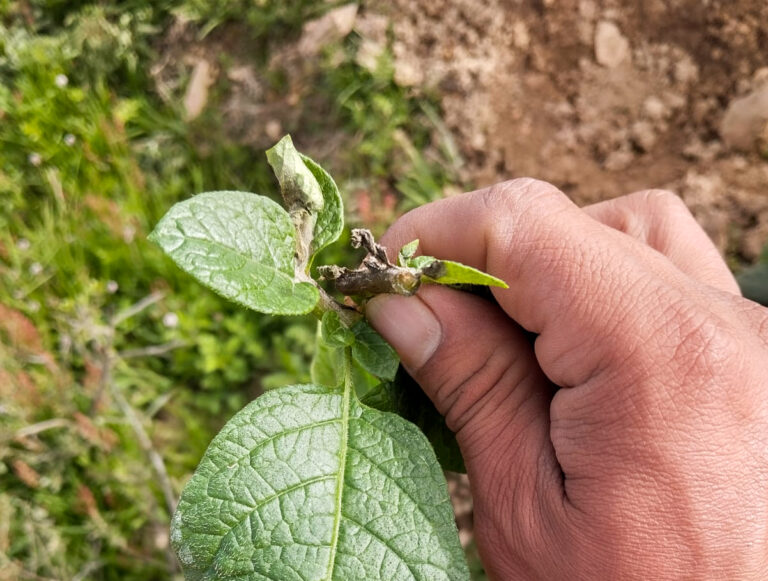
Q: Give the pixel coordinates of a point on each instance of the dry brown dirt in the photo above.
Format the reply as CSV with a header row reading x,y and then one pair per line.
x,y
603,98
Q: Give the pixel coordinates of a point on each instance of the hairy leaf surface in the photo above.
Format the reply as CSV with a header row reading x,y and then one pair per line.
x,y
308,484
240,245
330,220
297,183
373,353
334,332
405,397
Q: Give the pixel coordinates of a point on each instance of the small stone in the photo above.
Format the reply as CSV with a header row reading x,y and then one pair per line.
x,y
521,36
196,96
329,28
745,120
654,108
408,73
618,160
171,320
611,47
686,71
61,81
273,129
643,135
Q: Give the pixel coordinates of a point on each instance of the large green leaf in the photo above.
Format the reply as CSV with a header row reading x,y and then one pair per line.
x,y
240,245
405,397
330,220
307,484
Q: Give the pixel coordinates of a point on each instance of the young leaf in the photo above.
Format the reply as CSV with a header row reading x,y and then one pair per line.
x,y
334,332
404,397
450,272
240,245
330,220
307,484
373,353
298,184
407,252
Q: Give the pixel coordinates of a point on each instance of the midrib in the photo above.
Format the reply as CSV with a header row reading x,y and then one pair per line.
x,y
342,466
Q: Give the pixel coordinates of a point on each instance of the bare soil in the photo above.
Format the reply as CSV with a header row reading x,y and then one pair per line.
x,y
603,98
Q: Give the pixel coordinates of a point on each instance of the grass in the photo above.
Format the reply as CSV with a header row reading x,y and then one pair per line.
x,y
115,368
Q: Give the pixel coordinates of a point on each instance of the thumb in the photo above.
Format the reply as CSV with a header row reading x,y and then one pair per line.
x,y
478,368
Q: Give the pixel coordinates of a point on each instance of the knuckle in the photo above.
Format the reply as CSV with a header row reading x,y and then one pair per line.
x,y
664,202
519,193
514,210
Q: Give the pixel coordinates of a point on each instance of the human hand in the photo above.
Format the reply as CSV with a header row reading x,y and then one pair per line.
x,y
631,441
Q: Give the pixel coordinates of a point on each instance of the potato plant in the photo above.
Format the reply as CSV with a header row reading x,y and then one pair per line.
x,y
339,479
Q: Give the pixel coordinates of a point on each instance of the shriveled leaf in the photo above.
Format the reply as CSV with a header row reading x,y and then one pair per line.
x,y
334,332
330,220
404,397
297,182
373,353
307,484
240,245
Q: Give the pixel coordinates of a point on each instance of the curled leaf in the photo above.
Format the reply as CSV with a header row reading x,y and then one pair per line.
x,y
298,184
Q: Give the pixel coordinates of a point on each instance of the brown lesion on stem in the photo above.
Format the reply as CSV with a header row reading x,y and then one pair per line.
x,y
376,274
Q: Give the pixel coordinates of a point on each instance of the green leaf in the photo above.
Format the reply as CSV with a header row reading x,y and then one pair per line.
x,y
330,220
306,484
334,332
297,182
450,272
373,353
327,368
405,397
240,245
407,252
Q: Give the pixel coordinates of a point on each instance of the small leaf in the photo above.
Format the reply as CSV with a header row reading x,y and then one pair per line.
x,y
420,261
407,252
297,183
309,485
334,332
240,245
330,220
450,272
373,353
405,397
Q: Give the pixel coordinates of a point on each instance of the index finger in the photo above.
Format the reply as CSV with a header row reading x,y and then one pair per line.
x,y
571,279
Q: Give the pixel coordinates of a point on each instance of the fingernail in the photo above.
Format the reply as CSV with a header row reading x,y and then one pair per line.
x,y
408,324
